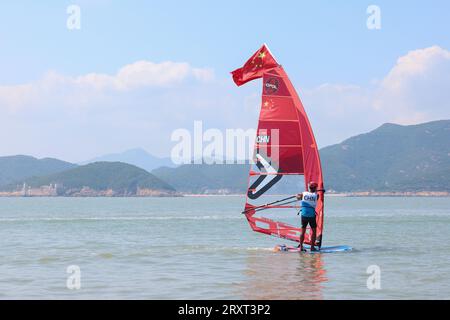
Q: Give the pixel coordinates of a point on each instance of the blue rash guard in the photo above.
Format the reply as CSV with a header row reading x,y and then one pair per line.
x,y
308,204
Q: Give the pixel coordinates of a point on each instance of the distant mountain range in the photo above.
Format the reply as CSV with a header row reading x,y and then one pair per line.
x,y
137,157
13,168
95,179
391,158
388,159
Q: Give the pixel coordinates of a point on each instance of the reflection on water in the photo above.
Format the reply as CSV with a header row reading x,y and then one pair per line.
x,y
284,276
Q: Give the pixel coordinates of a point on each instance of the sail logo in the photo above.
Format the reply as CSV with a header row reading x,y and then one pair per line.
x,y
271,86
263,139
265,181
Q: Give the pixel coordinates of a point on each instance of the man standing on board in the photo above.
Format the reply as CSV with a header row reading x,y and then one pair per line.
x,y
308,213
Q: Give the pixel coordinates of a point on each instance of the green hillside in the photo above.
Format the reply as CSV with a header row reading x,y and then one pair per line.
x,y
121,178
13,168
391,158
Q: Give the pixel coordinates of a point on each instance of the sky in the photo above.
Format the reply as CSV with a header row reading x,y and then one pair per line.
x,y
136,71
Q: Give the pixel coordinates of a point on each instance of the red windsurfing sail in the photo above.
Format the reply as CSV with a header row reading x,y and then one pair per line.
x,y
286,157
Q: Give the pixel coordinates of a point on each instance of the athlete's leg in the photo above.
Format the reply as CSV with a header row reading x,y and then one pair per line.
x,y
302,235
302,238
313,238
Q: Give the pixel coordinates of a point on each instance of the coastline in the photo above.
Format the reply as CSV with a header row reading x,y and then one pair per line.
x,y
347,194
439,194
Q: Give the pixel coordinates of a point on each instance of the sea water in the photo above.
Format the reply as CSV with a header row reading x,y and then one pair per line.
x,y
203,248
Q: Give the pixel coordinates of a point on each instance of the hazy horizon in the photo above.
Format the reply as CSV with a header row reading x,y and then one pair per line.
x,y
150,153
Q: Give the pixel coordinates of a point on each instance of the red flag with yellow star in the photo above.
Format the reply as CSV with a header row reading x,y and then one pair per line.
x,y
261,61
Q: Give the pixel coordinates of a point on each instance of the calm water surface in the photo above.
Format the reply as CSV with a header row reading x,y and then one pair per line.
x,y
203,248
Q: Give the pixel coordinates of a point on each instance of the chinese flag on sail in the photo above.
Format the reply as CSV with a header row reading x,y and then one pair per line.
x,y
261,61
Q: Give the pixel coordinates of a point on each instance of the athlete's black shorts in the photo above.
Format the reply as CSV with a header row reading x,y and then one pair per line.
x,y
309,220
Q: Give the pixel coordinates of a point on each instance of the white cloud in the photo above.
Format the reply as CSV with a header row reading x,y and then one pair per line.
x,y
416,89
338,111
149,74
140,74
18,95
78,117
